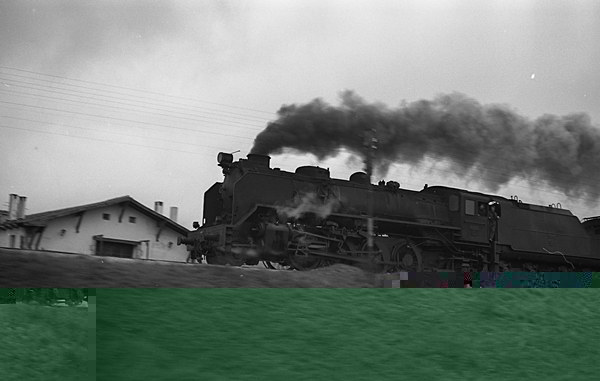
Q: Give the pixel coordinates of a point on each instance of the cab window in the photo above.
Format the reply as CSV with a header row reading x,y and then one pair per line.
x,y
482,209
470,207
453,204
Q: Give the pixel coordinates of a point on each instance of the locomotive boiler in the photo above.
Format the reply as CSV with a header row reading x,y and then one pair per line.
x,y
307,219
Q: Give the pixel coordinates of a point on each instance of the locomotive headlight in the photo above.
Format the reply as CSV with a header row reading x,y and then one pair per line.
x,y
224,158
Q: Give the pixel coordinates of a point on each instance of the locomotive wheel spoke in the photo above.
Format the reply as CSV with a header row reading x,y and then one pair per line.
x,y
406,258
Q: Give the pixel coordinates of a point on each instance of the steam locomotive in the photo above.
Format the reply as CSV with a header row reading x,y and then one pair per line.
x,y
306,219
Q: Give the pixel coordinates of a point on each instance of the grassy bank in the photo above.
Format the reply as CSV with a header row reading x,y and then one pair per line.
x,y
347,334
43,343
24,268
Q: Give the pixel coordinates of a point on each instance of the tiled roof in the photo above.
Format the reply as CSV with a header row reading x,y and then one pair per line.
x,y
41,218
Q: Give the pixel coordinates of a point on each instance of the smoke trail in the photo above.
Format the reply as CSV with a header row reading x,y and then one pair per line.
x,y
490,140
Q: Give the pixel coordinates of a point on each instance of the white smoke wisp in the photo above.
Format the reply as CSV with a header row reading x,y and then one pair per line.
x,y
245,251
308,203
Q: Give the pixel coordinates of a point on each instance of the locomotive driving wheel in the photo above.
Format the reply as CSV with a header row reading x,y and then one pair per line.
x,y
373,265
406,257
298,256
302,261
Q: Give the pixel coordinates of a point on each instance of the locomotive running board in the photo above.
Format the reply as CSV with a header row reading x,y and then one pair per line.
x,y
241,220
398,222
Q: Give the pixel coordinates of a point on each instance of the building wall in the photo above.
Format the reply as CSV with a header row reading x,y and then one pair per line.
x,y
144,228
5,237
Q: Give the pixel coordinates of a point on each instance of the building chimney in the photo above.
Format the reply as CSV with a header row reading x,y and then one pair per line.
x,y
173,215
13,202
158,205
21,207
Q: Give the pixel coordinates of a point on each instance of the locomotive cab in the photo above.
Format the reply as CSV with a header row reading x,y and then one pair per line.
x,y
472,212
592,225
477,216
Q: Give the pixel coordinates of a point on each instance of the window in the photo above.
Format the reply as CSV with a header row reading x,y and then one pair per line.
x,y
453,203
482,209
470,207
132,219
105,216
22,242
12,240
114,249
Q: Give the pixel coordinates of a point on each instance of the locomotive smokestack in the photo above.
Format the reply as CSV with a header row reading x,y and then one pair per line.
x,y
262,160
492,142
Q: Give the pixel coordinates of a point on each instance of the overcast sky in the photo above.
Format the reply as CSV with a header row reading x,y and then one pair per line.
x,y
109,98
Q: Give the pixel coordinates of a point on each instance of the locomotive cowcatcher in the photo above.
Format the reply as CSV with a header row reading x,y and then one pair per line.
x,y
306,219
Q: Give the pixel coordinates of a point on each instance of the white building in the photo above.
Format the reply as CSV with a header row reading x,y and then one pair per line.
x,y
120,227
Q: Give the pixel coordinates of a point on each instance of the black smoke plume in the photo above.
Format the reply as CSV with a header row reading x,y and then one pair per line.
x,y
490,143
